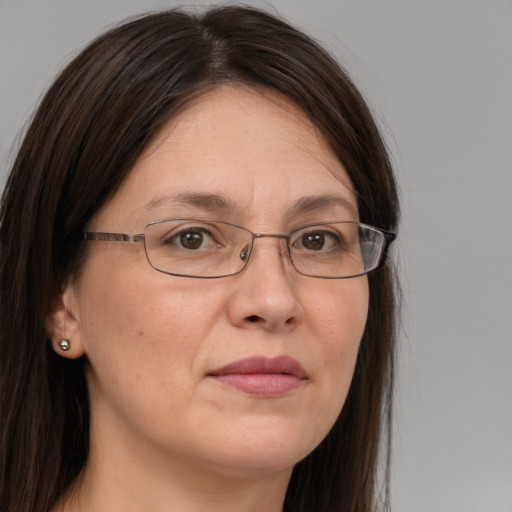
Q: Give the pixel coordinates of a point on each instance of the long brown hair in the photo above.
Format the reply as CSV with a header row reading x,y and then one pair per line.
x,y
82,142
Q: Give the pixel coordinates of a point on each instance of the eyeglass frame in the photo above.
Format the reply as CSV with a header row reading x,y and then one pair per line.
x,y
102,236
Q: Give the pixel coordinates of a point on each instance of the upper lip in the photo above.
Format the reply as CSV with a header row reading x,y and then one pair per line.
x,y
253,365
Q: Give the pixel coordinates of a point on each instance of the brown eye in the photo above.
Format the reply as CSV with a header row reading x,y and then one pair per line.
x,y
325,241
313,241
191,239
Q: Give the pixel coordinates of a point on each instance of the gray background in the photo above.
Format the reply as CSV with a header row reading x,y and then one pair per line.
x,y
438,75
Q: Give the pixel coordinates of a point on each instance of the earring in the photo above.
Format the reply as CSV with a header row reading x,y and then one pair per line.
x,y
64,345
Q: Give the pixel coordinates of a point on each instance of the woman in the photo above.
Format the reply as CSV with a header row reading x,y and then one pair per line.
x,y
196,310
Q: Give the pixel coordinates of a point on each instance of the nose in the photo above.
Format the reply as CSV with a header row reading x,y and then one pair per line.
x,y
265,295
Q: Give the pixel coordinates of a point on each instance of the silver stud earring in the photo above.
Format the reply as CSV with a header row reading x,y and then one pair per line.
x,y
64,345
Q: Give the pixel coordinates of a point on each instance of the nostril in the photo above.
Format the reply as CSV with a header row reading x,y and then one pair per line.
x,y
253,318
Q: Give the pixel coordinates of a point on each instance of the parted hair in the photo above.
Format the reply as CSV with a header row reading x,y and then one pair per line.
x,y
83,140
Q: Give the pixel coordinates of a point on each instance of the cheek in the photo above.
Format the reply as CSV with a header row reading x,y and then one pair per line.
x,y
338,313
142,338
144,321
338,320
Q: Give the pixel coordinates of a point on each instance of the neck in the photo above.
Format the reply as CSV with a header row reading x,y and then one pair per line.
x,y
121,478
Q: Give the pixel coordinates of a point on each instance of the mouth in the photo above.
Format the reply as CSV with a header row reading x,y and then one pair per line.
x,y
261,376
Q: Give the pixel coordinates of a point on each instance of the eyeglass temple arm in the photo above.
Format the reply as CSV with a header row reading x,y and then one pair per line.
x,y
112,237
390,237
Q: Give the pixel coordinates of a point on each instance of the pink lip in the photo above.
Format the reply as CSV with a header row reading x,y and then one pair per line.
x,y
261,376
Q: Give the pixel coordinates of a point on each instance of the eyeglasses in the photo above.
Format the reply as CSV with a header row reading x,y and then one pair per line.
x,y
205,248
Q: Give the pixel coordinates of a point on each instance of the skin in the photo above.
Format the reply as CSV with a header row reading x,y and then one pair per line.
x,y
164,435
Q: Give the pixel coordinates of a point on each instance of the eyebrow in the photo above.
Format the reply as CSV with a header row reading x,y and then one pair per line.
x,y
219,203
205,201
313,204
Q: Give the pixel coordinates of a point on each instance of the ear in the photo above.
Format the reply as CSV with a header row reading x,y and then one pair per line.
x,y
63,323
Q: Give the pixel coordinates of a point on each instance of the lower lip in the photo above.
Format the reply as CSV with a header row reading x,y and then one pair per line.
x,y
267,385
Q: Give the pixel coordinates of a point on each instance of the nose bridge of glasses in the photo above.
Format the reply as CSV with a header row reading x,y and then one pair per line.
x,y
283,247
270,235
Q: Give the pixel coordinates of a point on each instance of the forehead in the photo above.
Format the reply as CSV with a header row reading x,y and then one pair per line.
x,y
239,150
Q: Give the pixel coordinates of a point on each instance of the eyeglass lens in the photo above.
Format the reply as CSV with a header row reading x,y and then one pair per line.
x,y
205,248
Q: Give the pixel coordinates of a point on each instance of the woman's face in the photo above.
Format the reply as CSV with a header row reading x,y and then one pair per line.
x,y
164,374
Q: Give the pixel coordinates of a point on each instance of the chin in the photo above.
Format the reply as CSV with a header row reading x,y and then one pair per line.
x,y
267,447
